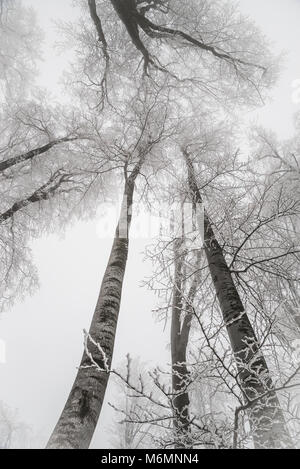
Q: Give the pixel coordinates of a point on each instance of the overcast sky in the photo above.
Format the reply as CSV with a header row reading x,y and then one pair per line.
x,y
43,335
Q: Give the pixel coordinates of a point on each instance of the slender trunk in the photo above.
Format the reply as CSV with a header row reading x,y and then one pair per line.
x,y
179,341
79,418
265,414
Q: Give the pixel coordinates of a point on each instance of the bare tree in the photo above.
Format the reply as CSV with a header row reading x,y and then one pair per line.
x,y
253,369
189,53
245,205
148,127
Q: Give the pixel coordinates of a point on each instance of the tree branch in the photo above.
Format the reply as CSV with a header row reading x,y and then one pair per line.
x,y
33,153
44,192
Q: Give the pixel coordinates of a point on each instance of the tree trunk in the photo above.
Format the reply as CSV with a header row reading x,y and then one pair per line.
x,y
265,414
179,341
79,418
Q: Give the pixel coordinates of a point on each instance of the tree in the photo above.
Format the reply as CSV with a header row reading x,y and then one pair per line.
x,y
147,127
254,374
36,152
199,51
179,341
178,280
27,131
134,17
250,222
40,161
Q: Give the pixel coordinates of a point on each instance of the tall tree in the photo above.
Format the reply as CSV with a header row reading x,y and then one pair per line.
x,y
266,417
169,30
179,340
249,215
148,127
183,296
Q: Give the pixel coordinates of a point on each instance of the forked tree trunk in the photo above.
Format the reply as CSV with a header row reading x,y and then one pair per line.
x,y
265,414
79,418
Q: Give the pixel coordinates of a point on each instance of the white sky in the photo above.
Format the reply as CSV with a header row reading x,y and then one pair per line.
x,y
43,335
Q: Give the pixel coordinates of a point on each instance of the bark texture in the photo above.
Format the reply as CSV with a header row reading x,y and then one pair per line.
x,y
265,414
79,418
182,314
179,341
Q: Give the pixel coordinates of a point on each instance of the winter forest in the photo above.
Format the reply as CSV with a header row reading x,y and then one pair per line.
x,y
149,224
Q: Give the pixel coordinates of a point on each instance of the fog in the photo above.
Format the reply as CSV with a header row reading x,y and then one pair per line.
x,y
43,334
